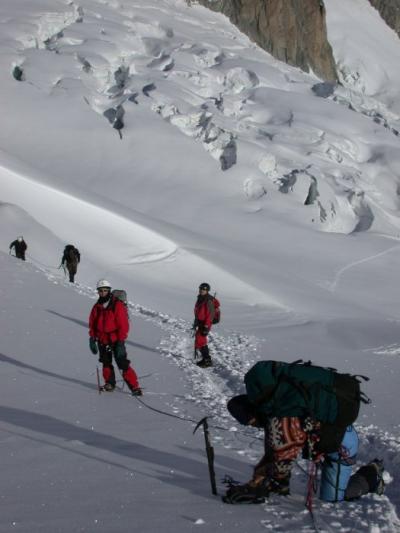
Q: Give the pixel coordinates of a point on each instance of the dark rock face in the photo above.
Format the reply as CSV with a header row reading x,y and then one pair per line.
x,y
390,12
292,31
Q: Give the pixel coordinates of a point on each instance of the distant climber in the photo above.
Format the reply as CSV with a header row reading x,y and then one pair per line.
x,y
20,248
71,258
108,331
206,313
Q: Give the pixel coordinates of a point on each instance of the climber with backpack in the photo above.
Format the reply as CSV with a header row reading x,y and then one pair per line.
x,y
108,331
206,313
71,257
303,409
20,248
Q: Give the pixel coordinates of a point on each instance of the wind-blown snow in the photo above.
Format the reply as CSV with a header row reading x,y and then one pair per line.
x,y
171,150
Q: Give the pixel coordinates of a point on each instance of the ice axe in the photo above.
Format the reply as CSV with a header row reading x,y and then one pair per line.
x,y
210,452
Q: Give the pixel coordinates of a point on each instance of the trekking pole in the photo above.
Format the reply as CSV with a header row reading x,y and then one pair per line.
x,y
98,379
210,452
194,347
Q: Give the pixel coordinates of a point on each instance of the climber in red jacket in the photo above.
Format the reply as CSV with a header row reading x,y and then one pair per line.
x,y
204,311
108,330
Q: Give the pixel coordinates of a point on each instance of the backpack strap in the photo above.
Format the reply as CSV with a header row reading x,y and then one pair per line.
x,y
298,361
364,398
365,378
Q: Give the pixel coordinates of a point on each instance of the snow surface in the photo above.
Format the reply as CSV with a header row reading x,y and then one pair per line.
x,y
171,150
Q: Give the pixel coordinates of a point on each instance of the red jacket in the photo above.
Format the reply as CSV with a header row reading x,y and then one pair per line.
x,y
204,311
109,324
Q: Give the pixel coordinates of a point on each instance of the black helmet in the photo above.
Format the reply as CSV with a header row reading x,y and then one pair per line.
x,y
204,286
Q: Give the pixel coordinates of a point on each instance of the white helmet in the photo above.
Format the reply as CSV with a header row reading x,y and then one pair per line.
x,y
103,284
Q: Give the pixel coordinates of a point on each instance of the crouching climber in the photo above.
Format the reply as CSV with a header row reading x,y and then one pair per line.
x,y
302,414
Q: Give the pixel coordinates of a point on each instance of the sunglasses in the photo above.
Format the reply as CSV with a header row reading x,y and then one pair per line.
x,y
103,290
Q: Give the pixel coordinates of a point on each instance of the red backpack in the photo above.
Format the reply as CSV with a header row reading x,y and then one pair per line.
x,y
217,311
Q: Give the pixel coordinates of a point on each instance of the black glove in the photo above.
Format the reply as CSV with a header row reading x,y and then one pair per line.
x,y
238,494
204,330
93,345
119,349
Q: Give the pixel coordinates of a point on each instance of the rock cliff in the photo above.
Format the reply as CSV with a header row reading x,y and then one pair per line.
x,y
390,12
290,30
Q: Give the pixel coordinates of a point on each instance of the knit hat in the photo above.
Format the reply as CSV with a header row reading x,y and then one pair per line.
x,y
241,409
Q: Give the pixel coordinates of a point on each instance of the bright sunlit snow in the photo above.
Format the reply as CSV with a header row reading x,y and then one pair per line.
x,y
171,150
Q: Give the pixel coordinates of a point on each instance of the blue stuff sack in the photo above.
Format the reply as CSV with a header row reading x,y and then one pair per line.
x,y
336,470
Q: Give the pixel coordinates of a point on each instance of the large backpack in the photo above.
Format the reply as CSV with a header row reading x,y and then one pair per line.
x,y
71,254
279,389
120,294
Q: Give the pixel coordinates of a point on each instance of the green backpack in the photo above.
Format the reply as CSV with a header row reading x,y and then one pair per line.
x,y
279,389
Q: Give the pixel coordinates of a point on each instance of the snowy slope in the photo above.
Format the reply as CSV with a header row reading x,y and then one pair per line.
x,y
229,169
74,460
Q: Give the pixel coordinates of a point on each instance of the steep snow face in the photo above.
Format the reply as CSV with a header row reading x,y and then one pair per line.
x,y
112,57
191,152
366,51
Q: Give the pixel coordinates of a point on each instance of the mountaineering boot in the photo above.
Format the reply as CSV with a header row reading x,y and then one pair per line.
x,y
244,494
136,392
278,486
109,387
204,363
367,479
240,494
205,360
373,472
380,483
